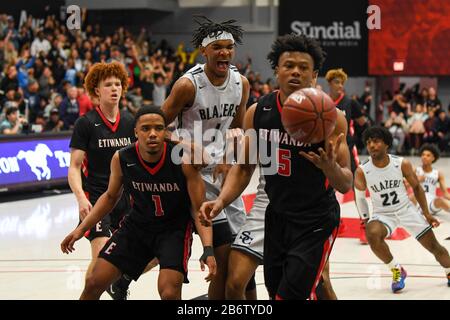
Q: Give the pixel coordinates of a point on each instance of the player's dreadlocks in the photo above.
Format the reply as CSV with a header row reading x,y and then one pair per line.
x,y
211,28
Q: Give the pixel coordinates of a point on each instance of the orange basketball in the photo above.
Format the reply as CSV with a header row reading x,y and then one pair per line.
x,y
309,115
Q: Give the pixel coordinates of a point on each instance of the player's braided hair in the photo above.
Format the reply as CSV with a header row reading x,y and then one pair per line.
x,y
300,43
431,148
211,28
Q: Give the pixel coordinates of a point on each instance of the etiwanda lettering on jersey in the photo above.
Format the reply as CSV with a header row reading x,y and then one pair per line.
x,y
386,184
225,110
277,136
114,143
155,187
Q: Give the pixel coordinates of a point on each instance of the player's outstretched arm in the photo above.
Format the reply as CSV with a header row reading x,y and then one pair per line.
x,y
196,189
103,206
238,123
360,194
419,194
182,95
239,176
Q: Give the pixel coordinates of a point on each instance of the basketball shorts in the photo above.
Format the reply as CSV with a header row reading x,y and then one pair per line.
x,y
110,222
250,238
295,252
229,221
408,217
131,248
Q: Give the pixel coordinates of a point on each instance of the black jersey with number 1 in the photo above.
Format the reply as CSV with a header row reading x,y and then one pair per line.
x,y
160,199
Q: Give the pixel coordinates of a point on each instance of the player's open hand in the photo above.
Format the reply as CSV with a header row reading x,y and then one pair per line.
x,y
433,221
212,267
69,241
326,159
84,207
210,209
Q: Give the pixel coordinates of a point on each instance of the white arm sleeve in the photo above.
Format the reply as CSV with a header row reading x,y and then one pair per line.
x,y
361,204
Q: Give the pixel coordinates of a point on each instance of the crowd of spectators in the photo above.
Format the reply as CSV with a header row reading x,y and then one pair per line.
x,y
42,71
415,116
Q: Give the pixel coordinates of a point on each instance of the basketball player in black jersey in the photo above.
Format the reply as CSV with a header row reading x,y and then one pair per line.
x,y
353,113
302,217
166,198
96,137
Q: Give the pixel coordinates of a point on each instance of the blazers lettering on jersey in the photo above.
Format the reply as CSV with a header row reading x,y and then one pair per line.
x,y
225,110
385,185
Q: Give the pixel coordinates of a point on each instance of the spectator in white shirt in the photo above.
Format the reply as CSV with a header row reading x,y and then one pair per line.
x,y
40,44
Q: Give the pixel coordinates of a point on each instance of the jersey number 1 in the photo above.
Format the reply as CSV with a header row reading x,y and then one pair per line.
x,y
157,201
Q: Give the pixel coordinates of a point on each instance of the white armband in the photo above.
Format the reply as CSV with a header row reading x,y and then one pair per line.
x,y
361,204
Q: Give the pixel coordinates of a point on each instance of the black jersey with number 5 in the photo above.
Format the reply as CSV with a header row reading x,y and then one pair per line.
x,y
159,194
100,139
298,188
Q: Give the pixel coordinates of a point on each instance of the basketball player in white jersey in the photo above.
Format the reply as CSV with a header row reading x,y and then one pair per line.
x,y
429,179
382,174
208,100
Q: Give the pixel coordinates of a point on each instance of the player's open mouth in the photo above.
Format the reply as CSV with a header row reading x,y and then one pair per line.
x,y
223,65
114,96
294,81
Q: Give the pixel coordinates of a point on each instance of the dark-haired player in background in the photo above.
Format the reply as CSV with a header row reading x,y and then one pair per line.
x,y
208,97
429,179
96,137
166,198
353,113
302,217
383,174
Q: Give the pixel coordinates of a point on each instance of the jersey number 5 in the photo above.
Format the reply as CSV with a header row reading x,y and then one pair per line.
x,y
158,206
387,196
284,162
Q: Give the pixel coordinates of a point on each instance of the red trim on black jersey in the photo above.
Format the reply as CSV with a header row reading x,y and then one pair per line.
x,y
187,246
114,127
327,183
158,166
279,104
327,246
84,166
339,99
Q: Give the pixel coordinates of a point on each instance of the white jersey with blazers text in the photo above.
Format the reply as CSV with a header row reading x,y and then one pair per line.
x,y
386,187
213,108
431,180
208,118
